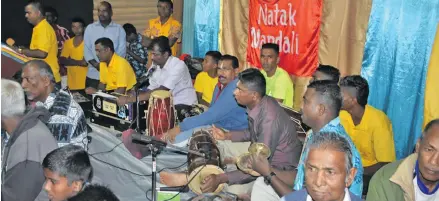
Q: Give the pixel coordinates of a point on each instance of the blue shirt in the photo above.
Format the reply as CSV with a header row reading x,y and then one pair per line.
x,y
224,112
94,31
333,126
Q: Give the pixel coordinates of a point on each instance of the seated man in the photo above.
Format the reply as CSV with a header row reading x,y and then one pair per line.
x,y
168,73
268,124
115,74
137,54
329,170
67,121
206,81
321,105
95,192
67,171
369,128
29,142
413,178
279,84
224,111
326,72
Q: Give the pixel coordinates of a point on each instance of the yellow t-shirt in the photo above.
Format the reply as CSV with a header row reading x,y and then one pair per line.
x,y
171,27
373,137
44,39
117,74
206,85
280,86
75,74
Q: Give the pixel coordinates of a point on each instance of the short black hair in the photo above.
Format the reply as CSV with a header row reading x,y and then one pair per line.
x,y
79,20
50,9
163,43
38,4
108,5
95,192
253,79
272,46
330,71
330,93
215,55
361,87
169,2
235,62
70,161
106,42
129,29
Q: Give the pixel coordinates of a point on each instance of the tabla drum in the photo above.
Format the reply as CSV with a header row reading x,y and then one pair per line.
x,y
201,167
161,115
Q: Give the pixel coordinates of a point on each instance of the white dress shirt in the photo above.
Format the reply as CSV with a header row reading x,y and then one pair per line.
x,y
174,76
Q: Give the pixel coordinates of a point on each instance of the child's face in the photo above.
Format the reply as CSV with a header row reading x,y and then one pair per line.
x,y
58,188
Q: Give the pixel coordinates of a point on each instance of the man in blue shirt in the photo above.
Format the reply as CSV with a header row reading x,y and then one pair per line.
x,y
224,111
321,106
104,27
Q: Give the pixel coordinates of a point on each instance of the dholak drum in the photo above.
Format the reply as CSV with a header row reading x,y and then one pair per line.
x,y
201,167
161,115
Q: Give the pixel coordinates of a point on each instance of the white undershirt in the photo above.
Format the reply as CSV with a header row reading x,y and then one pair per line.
x,y
347,197
420,196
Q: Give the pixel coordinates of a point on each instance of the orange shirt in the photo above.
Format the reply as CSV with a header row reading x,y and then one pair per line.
x,y
171,28
44,39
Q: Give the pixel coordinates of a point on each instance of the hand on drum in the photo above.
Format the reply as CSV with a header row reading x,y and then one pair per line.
x,y
210,183
90,90
219,133
259,164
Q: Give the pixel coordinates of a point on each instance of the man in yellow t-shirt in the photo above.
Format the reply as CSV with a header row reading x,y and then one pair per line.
x,y
164,25
369,128
116,74
207,80
72,56
43,43
279,84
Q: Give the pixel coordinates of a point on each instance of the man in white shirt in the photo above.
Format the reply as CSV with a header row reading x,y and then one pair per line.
x,y
167,73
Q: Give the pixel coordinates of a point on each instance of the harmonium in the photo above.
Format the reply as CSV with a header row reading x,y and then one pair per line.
x,y
107,113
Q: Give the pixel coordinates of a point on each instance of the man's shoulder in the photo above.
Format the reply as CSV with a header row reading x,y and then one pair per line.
x,y
299,195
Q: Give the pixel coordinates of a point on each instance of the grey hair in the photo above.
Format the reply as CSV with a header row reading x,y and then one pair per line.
x,y
13,99
43,68
334,141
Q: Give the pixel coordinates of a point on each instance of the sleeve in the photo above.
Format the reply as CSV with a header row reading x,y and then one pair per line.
x,y
103,73
42,40
123,80
383,144
66,50
198,85
240,136
174,76
121,48
214,114
239,177
26,176
88,44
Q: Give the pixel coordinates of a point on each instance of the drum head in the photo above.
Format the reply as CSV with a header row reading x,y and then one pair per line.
x,y
161,94
195,184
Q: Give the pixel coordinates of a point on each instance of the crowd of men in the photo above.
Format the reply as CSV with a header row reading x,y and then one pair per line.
x,y
347,154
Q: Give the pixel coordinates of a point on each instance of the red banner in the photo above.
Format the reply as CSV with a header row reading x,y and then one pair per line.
x,y
294,25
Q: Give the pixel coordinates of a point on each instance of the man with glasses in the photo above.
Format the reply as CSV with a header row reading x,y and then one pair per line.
x,y
167,73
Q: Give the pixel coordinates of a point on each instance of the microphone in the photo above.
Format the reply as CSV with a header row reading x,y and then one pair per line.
x,y
144,79
142,139
182,189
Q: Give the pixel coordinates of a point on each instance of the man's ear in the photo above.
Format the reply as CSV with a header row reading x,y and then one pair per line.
x,y
351,176
77,186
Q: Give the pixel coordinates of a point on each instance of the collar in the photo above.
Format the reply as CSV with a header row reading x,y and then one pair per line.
x,y
347,196
420,184
403,175
253,113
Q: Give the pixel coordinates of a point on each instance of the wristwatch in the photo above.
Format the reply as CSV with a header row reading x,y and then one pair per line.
x,y
267,179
